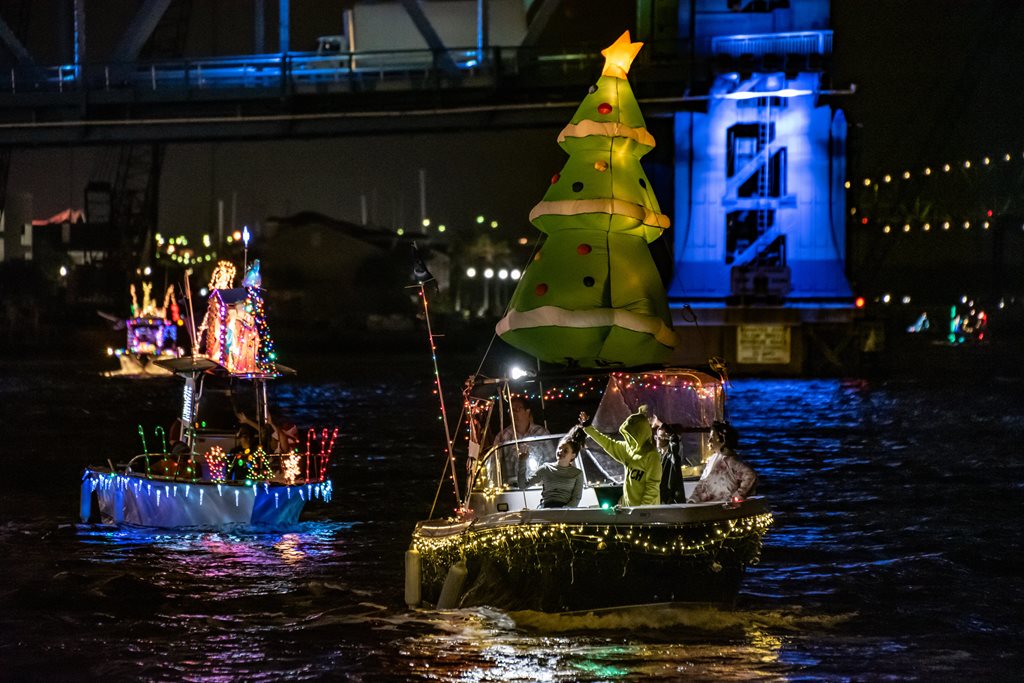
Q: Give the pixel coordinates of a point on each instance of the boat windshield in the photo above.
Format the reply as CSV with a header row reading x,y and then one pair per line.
x,y
499,467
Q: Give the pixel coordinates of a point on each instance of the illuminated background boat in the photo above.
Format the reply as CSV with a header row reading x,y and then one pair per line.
x,y
208,475
151,334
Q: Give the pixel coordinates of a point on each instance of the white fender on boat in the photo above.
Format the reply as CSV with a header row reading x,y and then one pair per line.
x,y
452,589
412,578
85,504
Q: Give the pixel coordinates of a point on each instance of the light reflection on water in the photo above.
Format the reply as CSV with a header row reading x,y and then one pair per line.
x,y
895,553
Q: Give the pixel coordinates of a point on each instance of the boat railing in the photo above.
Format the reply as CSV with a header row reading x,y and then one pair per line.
x,y
219,467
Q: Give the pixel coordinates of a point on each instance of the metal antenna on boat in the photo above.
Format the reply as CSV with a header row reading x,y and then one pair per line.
x,y
423,276
191,314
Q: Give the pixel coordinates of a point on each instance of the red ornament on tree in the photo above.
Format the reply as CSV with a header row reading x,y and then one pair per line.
x,y
604,108
541,289
554,178
583,249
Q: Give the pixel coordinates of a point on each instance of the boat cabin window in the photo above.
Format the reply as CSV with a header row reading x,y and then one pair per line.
x,y
499,468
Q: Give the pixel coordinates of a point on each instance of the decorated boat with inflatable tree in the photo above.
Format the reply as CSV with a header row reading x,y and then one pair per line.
x,y
151,334
592,302
225,459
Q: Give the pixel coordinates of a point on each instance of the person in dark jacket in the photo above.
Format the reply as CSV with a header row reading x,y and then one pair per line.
x,y
667,444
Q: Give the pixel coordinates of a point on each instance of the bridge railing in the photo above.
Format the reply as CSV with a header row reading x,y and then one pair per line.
x,y
298,70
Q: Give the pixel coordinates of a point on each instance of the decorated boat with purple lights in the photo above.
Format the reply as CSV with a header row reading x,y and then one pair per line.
x,y
592,300
226,459
151,335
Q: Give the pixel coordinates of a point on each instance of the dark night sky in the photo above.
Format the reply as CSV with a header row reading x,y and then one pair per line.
x,y
936,80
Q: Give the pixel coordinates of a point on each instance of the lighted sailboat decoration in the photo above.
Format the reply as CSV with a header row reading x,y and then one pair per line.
x,y
591,299
211,473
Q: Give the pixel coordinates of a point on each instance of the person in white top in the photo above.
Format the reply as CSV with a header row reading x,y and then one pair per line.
x,y
725,477
521,425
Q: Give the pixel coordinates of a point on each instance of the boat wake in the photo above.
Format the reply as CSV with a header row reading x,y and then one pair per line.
x,y
673,616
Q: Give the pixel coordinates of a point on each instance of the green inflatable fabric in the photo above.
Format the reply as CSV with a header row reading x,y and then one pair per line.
x,y
592,296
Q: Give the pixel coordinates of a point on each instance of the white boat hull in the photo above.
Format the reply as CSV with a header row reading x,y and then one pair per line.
x,y
162,502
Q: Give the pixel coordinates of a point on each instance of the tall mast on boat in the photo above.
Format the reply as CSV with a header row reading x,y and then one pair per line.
x,y
423,276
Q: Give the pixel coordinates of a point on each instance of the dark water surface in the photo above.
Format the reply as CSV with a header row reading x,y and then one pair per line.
x,y
896,553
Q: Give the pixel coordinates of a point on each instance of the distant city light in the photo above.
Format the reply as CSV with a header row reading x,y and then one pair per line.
x,y
503,274
147,271
203,291
859,302
206,240
426,222
441,228
494,224
886,298
237,234
63,271
401,231
470,272
488,273
515,274
906,299
479,219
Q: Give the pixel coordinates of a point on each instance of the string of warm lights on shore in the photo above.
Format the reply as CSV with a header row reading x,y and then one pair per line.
x,y
938,227
934,170
978,222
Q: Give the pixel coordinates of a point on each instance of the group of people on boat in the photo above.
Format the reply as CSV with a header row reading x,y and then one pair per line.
x,y
650,452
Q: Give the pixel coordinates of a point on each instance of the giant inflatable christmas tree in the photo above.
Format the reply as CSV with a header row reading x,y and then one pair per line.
x,y
592,295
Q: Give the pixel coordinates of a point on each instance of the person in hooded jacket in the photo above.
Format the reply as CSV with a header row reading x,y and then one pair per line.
x,y
642,485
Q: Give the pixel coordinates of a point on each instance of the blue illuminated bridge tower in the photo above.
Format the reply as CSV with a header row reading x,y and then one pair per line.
x,y
759,231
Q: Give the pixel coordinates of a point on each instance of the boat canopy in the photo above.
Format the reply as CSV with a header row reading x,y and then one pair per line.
x,y
687,399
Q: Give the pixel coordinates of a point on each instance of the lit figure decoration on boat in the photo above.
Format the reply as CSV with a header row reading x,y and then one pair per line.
x,y
237,334
592,295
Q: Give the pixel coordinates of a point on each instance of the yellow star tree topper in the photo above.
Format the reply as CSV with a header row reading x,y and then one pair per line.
x,y
619,56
